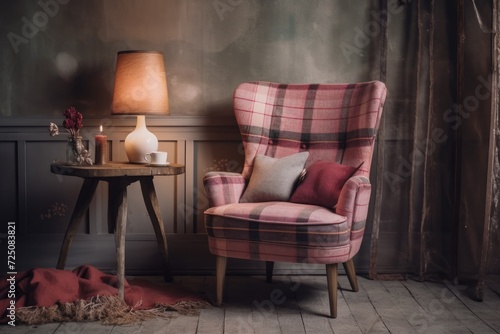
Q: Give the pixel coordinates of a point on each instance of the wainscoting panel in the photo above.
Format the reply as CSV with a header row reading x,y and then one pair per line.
x,y
49,197
212,156
41,203
8,186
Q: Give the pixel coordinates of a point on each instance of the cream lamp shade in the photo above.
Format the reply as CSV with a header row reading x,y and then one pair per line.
x,y
140,89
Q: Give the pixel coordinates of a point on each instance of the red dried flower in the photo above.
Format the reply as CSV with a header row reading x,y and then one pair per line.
x,y
73,122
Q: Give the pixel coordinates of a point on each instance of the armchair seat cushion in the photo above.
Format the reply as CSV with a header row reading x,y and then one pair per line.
x,y
276,225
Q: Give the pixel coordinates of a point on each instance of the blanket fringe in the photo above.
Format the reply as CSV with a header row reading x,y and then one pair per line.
x,y
109,310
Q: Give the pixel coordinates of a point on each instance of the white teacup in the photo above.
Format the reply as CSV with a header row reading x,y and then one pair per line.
x,y
156,158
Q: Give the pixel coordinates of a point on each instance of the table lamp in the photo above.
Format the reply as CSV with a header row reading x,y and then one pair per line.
x,y
140,89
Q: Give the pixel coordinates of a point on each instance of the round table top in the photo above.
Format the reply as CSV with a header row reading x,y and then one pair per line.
x,y
116,169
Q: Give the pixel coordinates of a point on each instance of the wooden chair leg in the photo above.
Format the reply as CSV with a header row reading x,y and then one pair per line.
x,y
269,271
332,278
220,271
351,274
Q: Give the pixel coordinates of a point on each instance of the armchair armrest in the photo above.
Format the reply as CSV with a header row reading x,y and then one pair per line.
x,y
353,204
354,200
223,187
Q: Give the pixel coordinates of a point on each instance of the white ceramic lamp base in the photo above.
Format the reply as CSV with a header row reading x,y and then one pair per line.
x,y
140,142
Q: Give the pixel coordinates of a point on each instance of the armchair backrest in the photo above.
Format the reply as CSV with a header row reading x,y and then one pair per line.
x,y
334,122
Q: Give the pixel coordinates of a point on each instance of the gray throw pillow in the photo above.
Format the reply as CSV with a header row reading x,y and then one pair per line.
x,y
274,179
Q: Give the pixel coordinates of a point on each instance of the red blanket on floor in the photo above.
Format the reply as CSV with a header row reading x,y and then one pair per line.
x,y
46,287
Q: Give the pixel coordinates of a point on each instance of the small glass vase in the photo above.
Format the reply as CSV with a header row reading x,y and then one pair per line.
x,y
75,151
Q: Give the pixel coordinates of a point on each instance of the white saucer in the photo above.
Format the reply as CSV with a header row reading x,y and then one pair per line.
x,y
160,165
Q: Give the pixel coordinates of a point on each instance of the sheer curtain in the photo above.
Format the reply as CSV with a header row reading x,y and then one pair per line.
x,y
437,170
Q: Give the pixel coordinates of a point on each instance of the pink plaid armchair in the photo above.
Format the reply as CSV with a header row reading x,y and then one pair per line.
x,y
333,122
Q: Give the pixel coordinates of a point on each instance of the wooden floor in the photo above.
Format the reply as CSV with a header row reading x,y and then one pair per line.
x,y
299,304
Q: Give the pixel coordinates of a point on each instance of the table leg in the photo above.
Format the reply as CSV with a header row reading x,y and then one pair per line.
x,y
151,201
82,204
119,210
114,198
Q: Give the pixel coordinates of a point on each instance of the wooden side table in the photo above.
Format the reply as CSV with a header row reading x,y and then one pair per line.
x,y
118,175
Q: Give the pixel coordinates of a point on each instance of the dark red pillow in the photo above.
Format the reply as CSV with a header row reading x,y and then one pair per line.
x,y
323,183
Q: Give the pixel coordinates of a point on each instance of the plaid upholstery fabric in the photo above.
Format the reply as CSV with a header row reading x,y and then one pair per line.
x,y
283,224
353,204
223,187
297,232
244,249
334,122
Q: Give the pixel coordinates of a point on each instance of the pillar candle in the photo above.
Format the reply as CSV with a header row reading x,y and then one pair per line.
x,y
101,148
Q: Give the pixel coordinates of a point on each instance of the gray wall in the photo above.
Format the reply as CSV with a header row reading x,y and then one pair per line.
x,y
209,47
